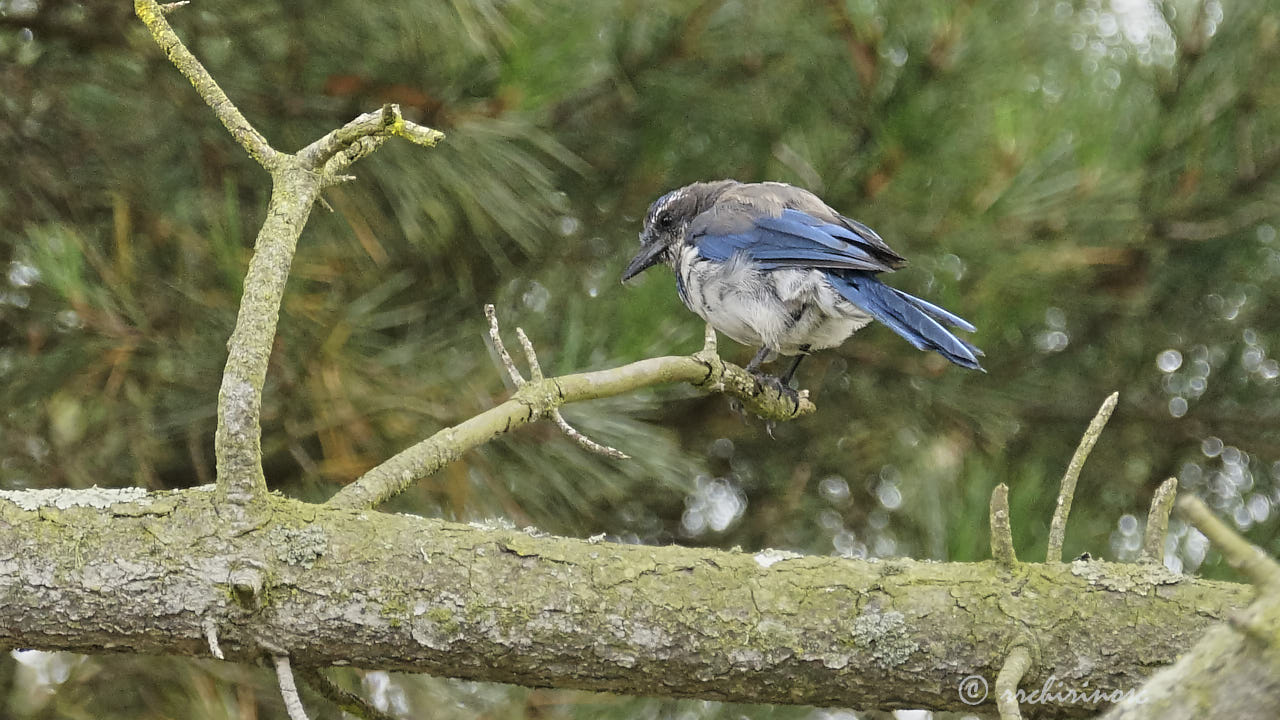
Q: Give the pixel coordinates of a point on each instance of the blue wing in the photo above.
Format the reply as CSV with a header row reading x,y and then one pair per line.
x,y
851,254
793,239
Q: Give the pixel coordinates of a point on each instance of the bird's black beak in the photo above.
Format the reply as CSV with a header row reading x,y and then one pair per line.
x,y
650,254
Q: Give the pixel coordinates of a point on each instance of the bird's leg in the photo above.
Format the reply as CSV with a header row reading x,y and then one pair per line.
x,y
758,360
791,371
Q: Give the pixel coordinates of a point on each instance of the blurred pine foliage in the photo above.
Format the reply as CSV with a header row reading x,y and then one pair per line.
x,y
1094,184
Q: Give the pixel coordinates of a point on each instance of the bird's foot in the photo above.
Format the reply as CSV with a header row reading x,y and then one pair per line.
x,y
777,385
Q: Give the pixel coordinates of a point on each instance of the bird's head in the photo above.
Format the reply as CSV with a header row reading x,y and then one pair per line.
x,y
667,223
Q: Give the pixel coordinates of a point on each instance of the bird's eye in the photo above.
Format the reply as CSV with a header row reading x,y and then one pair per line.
x,y
665,220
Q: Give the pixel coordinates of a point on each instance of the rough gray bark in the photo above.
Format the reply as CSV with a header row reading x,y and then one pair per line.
x,y
1227,675
100,571
1234,670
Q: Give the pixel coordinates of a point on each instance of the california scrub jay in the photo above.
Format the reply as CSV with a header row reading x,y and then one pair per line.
x,y
771,265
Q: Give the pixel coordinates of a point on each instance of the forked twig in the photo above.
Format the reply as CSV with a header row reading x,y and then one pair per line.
x,y
536,376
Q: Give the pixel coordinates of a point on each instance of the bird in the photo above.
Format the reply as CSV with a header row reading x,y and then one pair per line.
x,y
774,267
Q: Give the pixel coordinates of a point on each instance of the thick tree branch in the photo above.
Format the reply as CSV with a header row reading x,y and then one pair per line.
x,y
1234,670
238,442
144,572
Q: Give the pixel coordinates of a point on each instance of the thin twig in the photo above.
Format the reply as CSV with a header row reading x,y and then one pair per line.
x,y
585,441
1158,521
1244,556
170,7
346,701
1015,666
496,337
152,14
535,368
211,634
288,690
1058,528
1001,532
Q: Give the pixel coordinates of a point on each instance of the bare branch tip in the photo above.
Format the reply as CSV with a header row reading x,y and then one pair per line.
x,y
419,134
535,368
496,337
167,8
152,14
1067,491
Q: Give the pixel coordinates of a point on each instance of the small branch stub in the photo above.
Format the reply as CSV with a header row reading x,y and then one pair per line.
x,y
211,636
1058,527
340,148
1001,531
501,348
1158,521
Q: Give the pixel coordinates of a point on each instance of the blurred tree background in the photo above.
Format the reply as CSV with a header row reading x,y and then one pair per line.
x,y
1094,184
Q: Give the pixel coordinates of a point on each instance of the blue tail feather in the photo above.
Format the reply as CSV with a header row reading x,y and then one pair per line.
x,y
917,321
